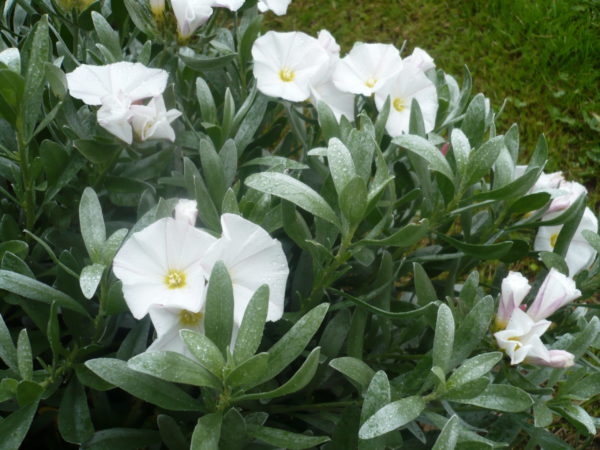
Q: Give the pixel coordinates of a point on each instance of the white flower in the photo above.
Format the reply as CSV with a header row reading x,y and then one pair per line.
x,y
569,192
285,64
556,291
547,182
161,265
515,288
580,254
168,322
11,58
521,338
279,7
153,121
115,87
252,259
420,59
186,211
366,68
407,84
328,42
190,14
231,5
341,103
555,358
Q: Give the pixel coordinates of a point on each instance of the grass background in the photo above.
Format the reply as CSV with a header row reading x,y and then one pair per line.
x,y
542,56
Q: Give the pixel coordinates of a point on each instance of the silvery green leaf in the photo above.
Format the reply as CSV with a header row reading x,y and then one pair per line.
x,y
90,279
91,222
423,148
444,338
391,417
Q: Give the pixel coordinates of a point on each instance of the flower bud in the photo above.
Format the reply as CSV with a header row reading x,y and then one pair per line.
x,y
186,211
556,291
421,59
514,289
556,358
157,7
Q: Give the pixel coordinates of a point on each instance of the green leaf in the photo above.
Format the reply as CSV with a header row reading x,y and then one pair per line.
x,y
92,226
208,110
289,347
444,338
298,381
401,315
426,150
14,427
8,352
514,189
341,164
121,439
553,260
542,415
449,435
171,434
252,326
250,372
24,357
473,368
461,149
35,79
173,367
90,279
207,432
295,191
501,397
473,123
355,369
201,63
406,236
205,351
74,422
19,248
529,203
112,245
107,36
34,290
212,170
286,439
482,159
233,420
582,389
592,238
472,329
377,395
218,318
353,200
143,386
329,124
579,417
423,287
468,390
391,417
482,251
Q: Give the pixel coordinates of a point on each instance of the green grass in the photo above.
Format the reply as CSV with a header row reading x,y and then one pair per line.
x,y
542,56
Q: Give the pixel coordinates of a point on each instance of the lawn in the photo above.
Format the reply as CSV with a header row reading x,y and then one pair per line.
x,y
542,57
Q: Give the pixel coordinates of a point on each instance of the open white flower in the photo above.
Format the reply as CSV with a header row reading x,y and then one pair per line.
x,y
161,265
323,89
366,68
556,291
285,64
408,84
252,259
521,338
279,7
153,121
580,254
515,288
420,59
168,322
115,87
190,14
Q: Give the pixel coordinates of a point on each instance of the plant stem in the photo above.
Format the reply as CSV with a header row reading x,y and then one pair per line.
x,y
311,407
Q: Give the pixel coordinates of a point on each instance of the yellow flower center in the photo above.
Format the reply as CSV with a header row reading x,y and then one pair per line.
x,y
189,319
371,82
175,279
287,75
398,104
516,339
553,239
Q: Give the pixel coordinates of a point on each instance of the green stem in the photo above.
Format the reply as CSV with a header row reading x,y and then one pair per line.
x,y
27,195
311,407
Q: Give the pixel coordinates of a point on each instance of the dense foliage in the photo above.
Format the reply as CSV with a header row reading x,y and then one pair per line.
x,y
344,276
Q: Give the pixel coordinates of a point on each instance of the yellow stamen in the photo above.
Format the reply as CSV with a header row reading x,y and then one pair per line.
x,y
287,75
399,105
371,82
553,239
189,319
516,339
175,279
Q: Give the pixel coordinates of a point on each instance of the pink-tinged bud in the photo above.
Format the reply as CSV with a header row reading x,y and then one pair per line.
x,y
444,148
567,193
514,289
556,358
556,291
186,211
